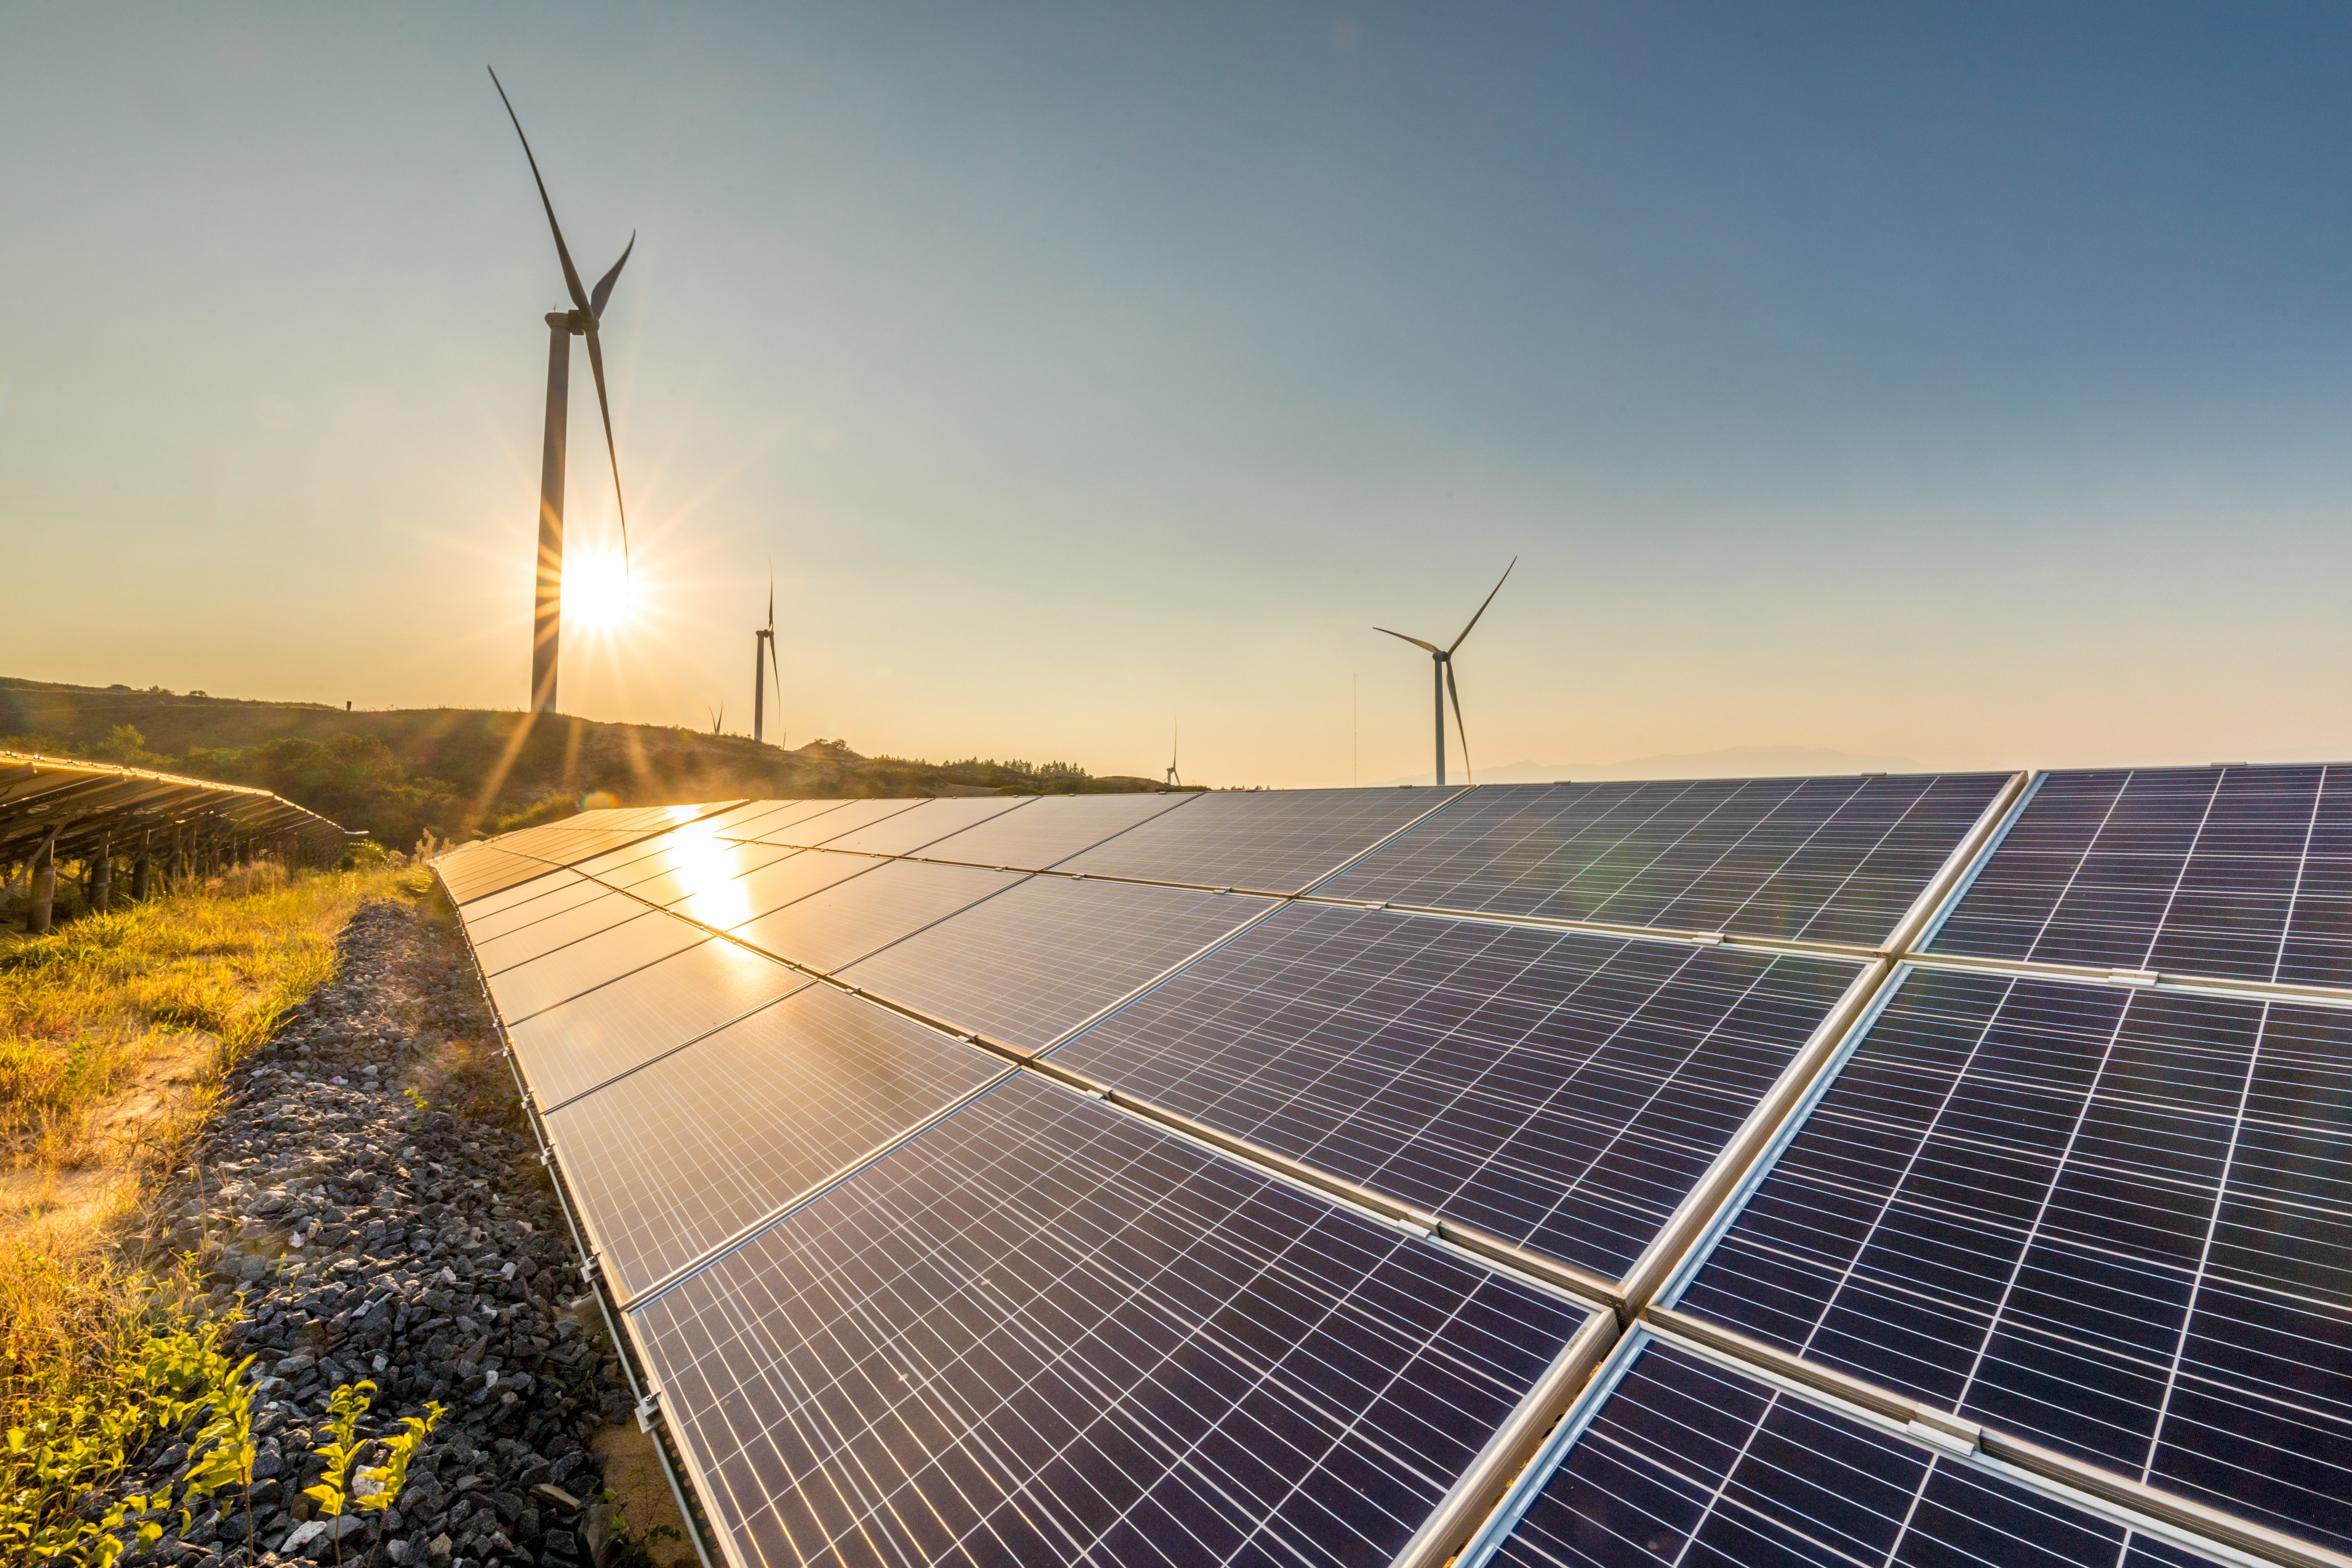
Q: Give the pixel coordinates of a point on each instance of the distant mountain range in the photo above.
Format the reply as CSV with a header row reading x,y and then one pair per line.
x,y
1730,763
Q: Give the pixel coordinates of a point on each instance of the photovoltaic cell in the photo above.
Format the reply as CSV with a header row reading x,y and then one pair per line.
x,y
895,899
2239,873
497,954
540,983
1686,1462
2117,1223
1036,960
501,904
1274,841
1052,830
904,831
1824,859
1043,1331
1562,1089
681,1154
634,1016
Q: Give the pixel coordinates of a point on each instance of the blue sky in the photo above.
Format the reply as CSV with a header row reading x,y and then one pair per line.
x,y
1967,384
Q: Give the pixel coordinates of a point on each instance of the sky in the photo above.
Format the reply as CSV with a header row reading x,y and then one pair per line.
x,y
1964,383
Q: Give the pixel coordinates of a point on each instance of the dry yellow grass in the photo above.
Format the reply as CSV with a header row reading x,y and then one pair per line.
x,y
156,1003
116,1033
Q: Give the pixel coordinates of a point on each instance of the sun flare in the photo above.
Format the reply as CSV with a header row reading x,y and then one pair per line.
x,y
596,593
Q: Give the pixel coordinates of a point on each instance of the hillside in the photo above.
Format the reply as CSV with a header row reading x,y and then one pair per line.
x,y
457,771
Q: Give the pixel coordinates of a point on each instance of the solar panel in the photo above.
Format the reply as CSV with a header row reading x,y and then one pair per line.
x,y
895,899
1269,841
1045,1331
684,1152
701,869
489,871
1688,1462
846,817
905,1300
2118,1223
1822,859
773,815
1055,829
2240,873
904,831
540,983
728,904
631,1018
1562,1089
532,939
1033,963
530,904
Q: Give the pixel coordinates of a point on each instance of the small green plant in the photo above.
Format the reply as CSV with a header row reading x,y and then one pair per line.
x,y
344,1406
380,1485
630,1549
224,1443
100,1546
417,1099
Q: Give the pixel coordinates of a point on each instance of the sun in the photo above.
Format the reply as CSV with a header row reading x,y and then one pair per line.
x,y
596,593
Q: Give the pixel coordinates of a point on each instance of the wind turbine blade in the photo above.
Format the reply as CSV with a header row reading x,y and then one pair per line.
x,y
562,253
1415,641
772,607
780,674
1456,692
1482,608
596,363
603,290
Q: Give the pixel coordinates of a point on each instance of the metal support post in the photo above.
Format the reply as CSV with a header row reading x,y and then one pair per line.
x,y
142,870
101,875
44,884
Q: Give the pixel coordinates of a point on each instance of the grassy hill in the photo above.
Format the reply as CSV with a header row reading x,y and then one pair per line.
x,y
458,772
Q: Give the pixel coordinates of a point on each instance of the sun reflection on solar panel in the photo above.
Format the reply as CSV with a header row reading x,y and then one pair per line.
x,y
712,866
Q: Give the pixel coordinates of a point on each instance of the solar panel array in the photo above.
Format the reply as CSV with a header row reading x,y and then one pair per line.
x,y
1936,1169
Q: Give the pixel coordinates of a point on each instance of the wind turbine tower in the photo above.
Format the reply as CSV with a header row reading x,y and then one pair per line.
x,y
763,642
580,321
1443,660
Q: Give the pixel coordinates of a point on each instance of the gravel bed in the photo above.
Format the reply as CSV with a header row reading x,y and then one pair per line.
x,y
418,1245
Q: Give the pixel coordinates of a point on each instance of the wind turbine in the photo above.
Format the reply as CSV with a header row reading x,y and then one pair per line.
x,y
718,718
763,640
1443,660
1175,730
580,321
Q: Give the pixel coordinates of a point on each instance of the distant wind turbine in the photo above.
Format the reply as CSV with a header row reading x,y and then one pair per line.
x,y
1443,660
718,718
1175,733
580,321
763,640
